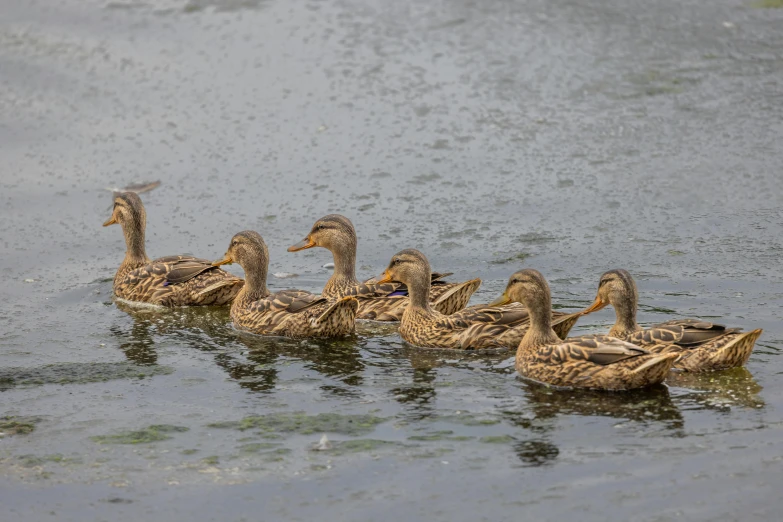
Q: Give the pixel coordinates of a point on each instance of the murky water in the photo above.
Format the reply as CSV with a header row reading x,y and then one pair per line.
x,y
572,137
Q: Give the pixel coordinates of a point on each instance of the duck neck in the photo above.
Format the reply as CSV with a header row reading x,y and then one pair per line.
x,y
255,280
419,290
135,252
625,311
344,274
540,331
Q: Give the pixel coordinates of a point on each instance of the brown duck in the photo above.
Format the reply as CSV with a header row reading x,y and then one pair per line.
x,y
701,345
475,328
377,301
166,281
601,362
289,313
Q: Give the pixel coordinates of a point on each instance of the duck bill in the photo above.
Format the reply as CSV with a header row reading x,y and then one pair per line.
x,y
502,300
597,305
385,277
227,260
111,221
302,245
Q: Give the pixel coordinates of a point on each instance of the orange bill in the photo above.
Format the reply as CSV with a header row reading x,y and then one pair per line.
x,y
385,277
111,221
302,245
227,260
597,305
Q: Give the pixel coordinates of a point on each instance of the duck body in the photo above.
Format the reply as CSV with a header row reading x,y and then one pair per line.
x,y
562,322
377,301
295,313
601,362
480,327
701,345
386,302
475,328
167,281
288,313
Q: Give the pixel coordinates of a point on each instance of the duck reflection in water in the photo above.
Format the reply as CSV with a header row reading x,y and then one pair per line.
x,y
137,342
545,405
653,404
252,360
340,360
423,365
719,391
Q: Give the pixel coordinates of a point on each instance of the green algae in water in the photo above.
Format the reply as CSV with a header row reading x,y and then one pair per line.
x,y
17,425
189,451
212,460
31,461
440,435
497,439
303,424
345,447
154,433
77,373
769,4
276,455
467,419
257,447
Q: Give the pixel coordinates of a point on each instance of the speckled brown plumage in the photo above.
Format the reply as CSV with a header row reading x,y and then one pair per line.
x,y
377,302
562,322
289,313
474,328
166,281
600,362
701,345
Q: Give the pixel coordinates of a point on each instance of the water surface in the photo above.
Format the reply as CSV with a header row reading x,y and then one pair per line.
x,y
572,137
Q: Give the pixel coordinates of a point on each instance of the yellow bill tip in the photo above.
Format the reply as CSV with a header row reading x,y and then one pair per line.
x,y
500,301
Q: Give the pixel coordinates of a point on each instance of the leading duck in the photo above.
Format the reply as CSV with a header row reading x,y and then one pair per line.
x,y
601,362
701,345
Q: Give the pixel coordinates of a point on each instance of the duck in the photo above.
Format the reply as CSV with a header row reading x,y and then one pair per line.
x,y
602,362
475,328
287,313
701,345
377,301
170,281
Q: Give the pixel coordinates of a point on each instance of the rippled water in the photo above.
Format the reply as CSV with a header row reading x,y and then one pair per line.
x,y
572,137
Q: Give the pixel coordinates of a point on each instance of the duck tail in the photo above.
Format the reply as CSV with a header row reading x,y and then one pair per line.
x,y
656,368
737,352
339,318
563,324
456,299
222,292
